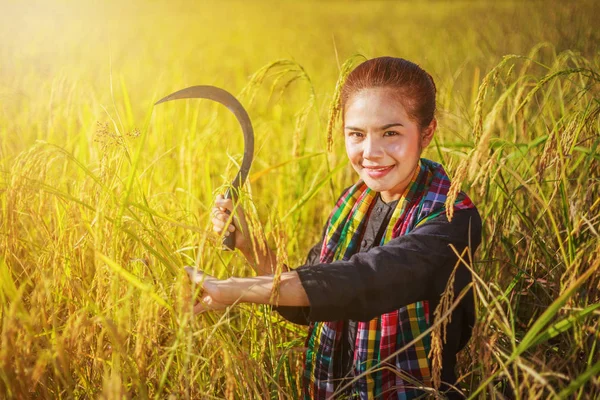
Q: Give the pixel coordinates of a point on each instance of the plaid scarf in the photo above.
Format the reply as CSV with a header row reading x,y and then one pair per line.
x,y
423,199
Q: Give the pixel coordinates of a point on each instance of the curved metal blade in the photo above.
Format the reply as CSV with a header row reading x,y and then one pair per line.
x,y
228,100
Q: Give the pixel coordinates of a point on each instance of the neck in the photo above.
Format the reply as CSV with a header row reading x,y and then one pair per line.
x,y
386,199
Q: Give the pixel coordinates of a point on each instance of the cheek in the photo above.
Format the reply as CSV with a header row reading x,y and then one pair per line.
x,y
396,148
353,151
404,148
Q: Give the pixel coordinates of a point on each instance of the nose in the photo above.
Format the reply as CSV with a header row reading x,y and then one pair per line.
x,y
372,148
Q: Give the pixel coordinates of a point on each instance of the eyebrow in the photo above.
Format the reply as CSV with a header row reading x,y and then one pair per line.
x,y
352,128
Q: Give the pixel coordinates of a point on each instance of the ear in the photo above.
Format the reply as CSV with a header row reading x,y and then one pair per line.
x,y
427,134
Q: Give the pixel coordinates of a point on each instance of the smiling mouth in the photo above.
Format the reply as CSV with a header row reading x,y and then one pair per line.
x,y
378,169
378,172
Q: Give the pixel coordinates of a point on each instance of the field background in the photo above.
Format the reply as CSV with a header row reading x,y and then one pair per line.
x,y
103,198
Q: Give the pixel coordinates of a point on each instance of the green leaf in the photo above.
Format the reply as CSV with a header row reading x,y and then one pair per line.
x,y
531,335
564,324
591,372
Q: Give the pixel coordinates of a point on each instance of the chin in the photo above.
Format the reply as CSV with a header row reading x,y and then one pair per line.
x,y
376,186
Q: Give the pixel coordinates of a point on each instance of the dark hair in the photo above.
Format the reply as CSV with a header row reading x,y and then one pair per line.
x,y
412,85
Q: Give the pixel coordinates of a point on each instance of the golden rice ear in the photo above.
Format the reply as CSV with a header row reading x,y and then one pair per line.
x,y
461,174
282,74
335,108
490,80
445,306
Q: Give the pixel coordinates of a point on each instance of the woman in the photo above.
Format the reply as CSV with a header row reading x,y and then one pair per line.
x,y
372,283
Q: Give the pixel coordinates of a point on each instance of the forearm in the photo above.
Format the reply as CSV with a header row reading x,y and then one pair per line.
x,y
259,290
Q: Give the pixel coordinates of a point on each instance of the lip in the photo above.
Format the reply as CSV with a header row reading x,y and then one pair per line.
x,y
376,173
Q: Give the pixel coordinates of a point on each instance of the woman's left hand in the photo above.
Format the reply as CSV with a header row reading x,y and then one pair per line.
x,y
218,294
209,292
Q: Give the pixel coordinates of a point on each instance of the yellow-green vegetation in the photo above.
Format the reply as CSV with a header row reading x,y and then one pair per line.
x,y
103,198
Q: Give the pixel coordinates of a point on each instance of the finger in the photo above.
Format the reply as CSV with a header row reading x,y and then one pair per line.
x,y
240,215
199,308
220,231
195,275
221,221
221,213
224,203
218,223
190,271
217,229
206,303
218,212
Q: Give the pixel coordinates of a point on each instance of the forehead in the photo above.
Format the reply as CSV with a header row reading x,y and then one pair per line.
x,y
374,106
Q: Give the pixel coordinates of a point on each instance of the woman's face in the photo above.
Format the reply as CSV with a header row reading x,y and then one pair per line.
x,y
382,142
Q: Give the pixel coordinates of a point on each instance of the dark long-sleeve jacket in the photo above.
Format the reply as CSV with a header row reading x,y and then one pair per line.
x,y
379,279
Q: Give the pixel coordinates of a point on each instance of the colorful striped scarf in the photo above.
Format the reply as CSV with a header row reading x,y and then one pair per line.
x,y
376,340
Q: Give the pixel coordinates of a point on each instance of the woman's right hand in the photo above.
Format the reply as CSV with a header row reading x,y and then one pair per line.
x,y
206,301
239,225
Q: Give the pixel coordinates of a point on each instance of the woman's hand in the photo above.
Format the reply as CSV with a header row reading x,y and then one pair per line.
x,y
218,294
209,292
239,225
264,261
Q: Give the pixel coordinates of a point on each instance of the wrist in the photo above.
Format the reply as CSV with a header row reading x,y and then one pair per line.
x,y
262,261
247,252
222,291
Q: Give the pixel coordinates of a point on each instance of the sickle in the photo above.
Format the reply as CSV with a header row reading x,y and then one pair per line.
x,y
228,100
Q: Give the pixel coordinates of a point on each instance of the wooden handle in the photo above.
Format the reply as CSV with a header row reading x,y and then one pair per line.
x,y
229,241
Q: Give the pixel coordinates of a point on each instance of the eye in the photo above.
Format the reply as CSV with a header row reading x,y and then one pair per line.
x,y
356,134
390,133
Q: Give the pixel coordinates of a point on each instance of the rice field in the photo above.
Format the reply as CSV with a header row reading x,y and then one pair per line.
x,y
104,198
